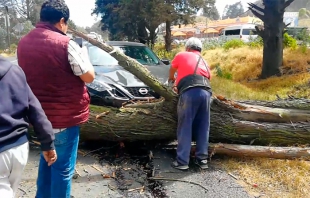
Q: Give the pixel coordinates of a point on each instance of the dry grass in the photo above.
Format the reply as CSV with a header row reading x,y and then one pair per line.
x,y
245,66
273,178
304,22
237,91
236,61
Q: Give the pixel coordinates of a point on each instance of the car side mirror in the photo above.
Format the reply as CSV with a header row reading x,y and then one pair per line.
x,y
166,61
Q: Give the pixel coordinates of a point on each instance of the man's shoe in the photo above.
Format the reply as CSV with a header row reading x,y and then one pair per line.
x,y
203,164
178,166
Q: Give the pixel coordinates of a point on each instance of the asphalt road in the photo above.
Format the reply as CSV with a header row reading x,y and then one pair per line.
x,y
12,59
131,181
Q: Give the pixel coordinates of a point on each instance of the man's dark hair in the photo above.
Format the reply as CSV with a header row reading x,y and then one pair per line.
x,y
53,10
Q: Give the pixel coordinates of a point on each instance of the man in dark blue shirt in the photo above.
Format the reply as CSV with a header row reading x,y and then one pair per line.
x,y
18,105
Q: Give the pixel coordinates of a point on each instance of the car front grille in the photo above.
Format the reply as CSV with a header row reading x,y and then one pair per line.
x,y
138,91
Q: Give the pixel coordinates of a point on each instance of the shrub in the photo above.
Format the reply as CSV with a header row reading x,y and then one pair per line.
x,y
304,48
256,42
222,74
161,52
13,47
234,43
211,44
289,42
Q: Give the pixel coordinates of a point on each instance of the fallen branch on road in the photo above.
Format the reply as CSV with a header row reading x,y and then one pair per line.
x,y
260,151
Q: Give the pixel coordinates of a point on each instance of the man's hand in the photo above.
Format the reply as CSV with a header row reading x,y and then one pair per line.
x,y
175,89
50,157
171,80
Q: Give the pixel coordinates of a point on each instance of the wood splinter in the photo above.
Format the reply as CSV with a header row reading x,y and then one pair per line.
x,y
134,189
104,175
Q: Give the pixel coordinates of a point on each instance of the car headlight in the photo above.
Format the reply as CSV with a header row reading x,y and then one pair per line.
x,y
98,86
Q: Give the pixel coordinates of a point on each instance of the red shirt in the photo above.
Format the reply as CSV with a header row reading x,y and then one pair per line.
x,y
185,63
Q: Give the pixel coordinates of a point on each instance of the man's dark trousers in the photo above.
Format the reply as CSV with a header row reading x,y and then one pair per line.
x,y
193,120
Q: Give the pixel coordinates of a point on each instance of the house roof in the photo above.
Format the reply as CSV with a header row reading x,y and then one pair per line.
x,y
215,25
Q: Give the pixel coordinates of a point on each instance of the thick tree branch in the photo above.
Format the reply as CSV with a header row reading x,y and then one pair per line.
x,y
260,151
256,7
287,3
260,31
258,15
286,25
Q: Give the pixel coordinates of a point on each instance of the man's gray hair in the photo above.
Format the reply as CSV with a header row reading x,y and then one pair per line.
x,y
193,43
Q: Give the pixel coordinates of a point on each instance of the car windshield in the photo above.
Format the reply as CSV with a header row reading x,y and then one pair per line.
x,y
142,54
98,57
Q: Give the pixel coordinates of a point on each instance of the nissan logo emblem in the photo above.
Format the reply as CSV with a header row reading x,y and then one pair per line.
x,y
143,91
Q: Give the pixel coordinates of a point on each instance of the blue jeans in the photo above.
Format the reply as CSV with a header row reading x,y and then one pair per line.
x,y
193,120
55,181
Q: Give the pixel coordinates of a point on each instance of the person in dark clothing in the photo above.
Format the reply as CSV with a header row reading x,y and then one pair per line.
x,y
18,105
193,86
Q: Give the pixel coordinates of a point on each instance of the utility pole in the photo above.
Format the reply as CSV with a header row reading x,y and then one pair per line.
x,y
7,23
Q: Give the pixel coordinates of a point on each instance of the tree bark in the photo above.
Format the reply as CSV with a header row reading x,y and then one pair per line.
x,y
237,150
282,122
231,122
260,151
272,34
168,39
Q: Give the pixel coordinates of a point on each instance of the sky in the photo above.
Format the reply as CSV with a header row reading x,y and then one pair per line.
x,y
80,12
220,4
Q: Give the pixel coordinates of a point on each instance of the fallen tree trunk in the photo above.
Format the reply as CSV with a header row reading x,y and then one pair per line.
x,y
278,123
260,151
231,122
237,150
250,151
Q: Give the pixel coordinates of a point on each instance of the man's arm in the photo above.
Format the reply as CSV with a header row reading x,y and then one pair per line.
x,y
174,67
42,126
80,63
172,73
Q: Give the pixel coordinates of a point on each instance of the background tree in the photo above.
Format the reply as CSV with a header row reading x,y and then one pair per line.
x,y
27,9
76,27
97,27
181,12
272,33
108,10
139,19
210,11
233,10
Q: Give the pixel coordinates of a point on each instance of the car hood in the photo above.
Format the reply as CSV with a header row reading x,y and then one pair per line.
x,y
115,74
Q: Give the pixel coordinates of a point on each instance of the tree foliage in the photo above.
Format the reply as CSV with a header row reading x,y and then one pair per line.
x,y
210,11
233,10
26,10
97,27
138,20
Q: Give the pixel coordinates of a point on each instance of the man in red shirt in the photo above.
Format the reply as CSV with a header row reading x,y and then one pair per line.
x,y
193,86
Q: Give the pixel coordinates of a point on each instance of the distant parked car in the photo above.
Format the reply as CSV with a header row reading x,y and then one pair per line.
x,y
114,85
244,32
